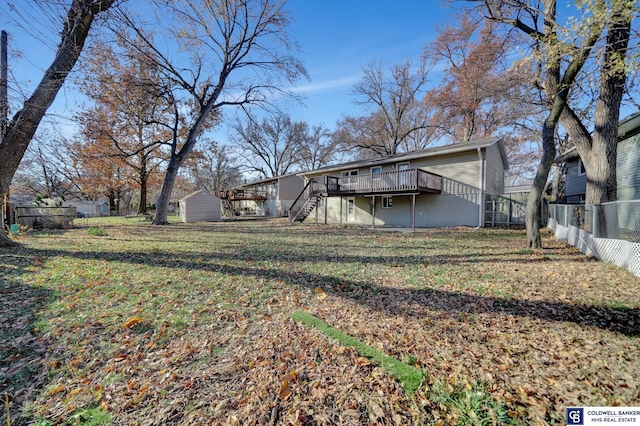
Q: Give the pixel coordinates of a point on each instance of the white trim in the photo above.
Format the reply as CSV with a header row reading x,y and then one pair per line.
x,y
351,217
581,166
481,189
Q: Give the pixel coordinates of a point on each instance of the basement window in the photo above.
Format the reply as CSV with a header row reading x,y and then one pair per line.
x,y
387,202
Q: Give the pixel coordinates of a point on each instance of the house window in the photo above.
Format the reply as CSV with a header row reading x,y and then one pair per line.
x,y
581,169
376,170
349,173
387,202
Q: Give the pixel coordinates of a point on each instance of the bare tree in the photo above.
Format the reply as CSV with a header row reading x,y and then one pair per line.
x,y
398,119
213,168
600,31
319,148
272,147
23,125
229,53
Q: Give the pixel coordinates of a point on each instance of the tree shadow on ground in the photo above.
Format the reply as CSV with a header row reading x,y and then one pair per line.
x,y
22,350
396,301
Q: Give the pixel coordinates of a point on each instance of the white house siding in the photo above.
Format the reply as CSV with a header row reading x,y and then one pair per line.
x,y
456,205
280,195
290,187
200,206
494,167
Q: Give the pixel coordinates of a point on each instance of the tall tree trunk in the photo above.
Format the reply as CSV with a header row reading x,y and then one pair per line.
x,y
162,205
112,201
24,124
555,183
533,213
598,152
144,179
142,208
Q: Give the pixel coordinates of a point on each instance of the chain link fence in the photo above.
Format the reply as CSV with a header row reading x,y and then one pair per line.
x,y
619,219
608,231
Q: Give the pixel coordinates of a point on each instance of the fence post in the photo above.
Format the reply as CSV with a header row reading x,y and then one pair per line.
x,y
509,212
594,221
566,216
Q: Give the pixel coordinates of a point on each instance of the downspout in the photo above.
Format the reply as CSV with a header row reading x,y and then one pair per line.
x,y
481,188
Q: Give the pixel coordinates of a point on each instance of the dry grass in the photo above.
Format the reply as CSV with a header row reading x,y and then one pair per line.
x,y
188,324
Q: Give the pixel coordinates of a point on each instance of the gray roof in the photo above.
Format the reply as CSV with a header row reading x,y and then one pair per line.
x,y
629,126
257,182
414,155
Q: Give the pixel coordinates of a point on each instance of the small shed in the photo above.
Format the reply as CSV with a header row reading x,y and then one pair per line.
x,y
201,206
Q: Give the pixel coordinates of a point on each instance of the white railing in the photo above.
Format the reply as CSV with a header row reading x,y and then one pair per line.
x,y
401,180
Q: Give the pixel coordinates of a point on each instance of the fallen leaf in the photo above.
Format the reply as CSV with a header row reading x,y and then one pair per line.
x,y
130,322
321,294
285,390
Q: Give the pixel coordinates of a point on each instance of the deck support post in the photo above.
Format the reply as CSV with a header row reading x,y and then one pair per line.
x,y
373,212
413,212
341,200
326,207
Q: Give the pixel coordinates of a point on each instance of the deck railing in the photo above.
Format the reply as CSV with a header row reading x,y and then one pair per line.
x,y
386,182
242,194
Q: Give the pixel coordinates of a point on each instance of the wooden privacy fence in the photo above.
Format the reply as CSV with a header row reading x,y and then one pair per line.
x,y
45,217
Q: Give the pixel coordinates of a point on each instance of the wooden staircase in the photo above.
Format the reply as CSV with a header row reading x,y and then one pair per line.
x,y
307,207
227,207
314,191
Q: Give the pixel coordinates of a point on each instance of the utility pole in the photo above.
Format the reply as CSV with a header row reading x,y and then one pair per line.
x,y
4,108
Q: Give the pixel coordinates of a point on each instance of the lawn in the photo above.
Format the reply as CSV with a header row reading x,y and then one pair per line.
x,y
191,324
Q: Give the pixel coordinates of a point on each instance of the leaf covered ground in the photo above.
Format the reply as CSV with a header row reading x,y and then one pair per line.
x,y
189,324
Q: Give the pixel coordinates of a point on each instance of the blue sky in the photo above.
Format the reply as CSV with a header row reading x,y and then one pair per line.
x,y
337,38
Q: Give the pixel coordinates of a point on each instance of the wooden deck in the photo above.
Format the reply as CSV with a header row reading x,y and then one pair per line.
x,y
397,182
241,194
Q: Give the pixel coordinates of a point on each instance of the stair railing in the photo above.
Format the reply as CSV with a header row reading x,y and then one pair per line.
x,y
312,188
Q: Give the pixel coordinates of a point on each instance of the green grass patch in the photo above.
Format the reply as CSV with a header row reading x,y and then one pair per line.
x,y
409,377
90,417
468,403
97,232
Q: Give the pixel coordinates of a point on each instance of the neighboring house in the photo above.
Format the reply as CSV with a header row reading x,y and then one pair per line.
x,y
518,192
627,167
200,206
437,187
89,208
269,197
